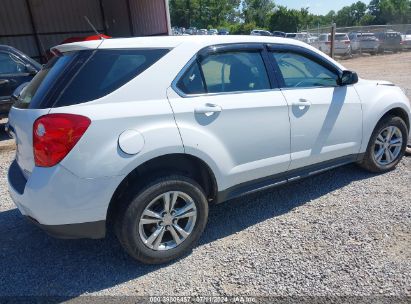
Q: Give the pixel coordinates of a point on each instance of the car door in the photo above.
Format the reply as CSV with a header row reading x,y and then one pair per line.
x,y
13,72
326,118
230,112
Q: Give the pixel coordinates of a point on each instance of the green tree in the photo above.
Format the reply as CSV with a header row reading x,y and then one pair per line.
x,y
257,11
283,19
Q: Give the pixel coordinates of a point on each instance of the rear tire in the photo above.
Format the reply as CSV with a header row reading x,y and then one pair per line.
x,y
385,151
152,234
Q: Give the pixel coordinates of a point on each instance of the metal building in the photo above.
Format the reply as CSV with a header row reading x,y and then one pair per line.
x,y
33,26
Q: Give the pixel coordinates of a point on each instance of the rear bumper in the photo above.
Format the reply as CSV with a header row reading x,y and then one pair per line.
x,y
341,51
61,203
91,230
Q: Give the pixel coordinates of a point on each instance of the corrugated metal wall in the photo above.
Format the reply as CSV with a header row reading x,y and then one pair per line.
x,y
15,20
149,17
33,26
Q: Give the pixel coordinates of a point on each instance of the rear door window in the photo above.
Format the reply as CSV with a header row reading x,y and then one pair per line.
x,y
226,72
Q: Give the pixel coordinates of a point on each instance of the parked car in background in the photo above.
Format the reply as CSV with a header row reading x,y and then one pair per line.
x,y
202,32
389,41
406,42
16,68
290,35
364,42
278,34
212,32
144,133
260,33
304,37
191,31
223,32
342,45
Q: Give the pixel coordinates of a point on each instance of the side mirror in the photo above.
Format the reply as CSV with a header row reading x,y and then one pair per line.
x,y
347,78
30,69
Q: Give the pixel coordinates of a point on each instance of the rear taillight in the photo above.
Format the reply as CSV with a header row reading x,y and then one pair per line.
x,y
54,135
328,42
347,41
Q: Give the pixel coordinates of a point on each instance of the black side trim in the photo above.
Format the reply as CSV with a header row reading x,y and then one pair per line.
x,y
89,230
285,177
16,178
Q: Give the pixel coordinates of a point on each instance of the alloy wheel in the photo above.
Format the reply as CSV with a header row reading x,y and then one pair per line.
x,y
168,220
388,145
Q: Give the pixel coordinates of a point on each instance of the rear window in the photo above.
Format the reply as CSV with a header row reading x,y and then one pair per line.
x,y
85,75
340,37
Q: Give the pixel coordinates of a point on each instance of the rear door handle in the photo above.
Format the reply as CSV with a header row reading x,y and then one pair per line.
x,y
208,109
302,102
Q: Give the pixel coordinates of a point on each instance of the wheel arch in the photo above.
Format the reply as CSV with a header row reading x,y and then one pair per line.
x,y
185,164
397,111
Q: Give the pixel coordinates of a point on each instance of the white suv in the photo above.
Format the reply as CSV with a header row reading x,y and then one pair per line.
x,y
145,133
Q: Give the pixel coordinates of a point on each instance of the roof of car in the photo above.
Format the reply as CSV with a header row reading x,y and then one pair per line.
x,y
196,42
172,41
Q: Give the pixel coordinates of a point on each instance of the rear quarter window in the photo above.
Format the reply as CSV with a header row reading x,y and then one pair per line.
x,y
105,72
83,76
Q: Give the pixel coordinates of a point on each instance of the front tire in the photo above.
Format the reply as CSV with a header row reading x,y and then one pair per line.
x,y
386,146
164,220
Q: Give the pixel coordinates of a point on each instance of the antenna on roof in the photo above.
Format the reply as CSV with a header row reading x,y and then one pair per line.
x,y
93,27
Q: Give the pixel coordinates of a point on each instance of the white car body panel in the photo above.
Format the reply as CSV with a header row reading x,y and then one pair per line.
x,y
319,130
242,153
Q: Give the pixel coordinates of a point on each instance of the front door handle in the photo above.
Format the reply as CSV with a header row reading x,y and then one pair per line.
x,y
208,109
302,102
4,81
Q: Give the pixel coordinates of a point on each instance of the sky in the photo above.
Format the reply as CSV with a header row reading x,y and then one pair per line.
x,y
319,7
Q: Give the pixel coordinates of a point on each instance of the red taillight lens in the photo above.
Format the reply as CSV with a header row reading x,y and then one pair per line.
x,y
54,135
347,41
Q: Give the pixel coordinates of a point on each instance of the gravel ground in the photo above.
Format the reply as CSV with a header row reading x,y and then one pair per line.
x,y
345,232
395,68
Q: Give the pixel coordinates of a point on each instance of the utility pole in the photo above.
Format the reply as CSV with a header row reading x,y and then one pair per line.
x,y
332,45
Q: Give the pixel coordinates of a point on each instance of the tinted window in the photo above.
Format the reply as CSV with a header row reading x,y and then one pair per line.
x,y
106,71
234,71
10,64
323,38
300,71
83,76
35,92
192,82
226,72
340,37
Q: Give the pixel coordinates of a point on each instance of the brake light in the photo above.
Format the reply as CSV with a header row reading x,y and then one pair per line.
x,y
347,41
328,42
54,135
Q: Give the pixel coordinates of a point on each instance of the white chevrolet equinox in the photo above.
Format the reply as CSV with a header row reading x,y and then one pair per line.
x,y
145,133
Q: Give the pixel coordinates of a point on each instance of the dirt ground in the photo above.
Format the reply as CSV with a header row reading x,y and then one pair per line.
x,y
392,67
